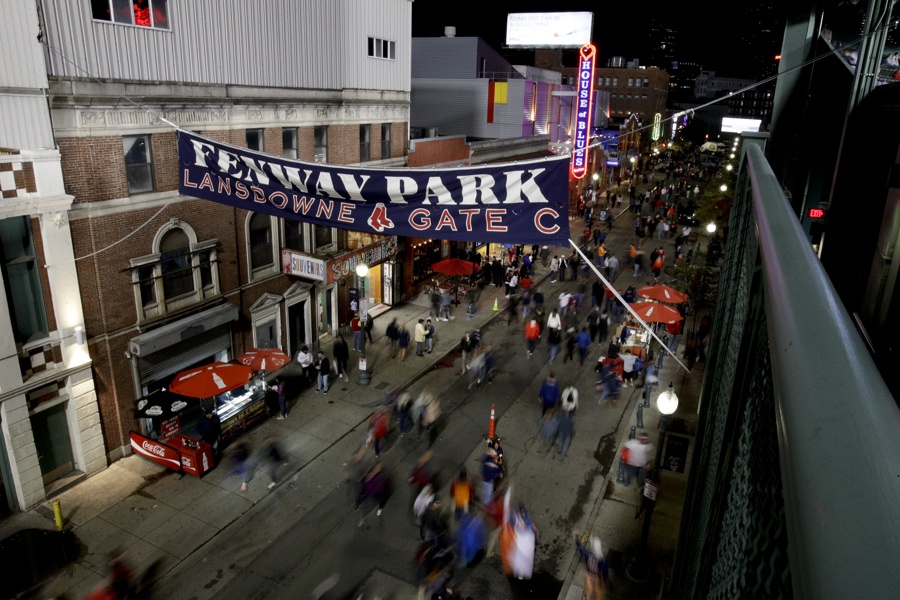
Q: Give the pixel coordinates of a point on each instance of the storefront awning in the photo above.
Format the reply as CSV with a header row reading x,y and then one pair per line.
x,y
183,329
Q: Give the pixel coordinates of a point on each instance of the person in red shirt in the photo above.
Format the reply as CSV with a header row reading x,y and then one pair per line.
x,y
356,327
532,333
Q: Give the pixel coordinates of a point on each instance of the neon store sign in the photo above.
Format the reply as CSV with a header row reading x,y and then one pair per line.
x,y
587,56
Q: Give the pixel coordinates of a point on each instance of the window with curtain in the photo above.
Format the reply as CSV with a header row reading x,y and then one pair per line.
x,y
21,276
259,241
175,259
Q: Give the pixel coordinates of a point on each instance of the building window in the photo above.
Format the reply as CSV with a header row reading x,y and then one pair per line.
x,y
646,83
289,142
21,274
293,235
365,143
385,140
138,164
630,81
259,242
255,140
320,142
181,272
266,316
379,48
608,81
616,81
177,271
325,238
143,13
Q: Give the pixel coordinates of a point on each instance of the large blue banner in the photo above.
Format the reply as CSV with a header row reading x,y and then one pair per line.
x,y
514,203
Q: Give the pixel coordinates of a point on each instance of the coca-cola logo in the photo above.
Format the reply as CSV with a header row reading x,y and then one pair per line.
x,y
154,449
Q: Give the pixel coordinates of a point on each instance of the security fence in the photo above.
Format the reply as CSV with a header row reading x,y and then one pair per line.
x,y
795,483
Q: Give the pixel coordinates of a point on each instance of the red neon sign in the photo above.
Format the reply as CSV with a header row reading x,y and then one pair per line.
x,y
816,213
587,56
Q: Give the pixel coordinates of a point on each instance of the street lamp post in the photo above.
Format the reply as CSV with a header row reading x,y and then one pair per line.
x,y
639,568
362,270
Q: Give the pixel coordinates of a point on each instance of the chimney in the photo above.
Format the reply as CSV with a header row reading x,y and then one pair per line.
x,y
449,31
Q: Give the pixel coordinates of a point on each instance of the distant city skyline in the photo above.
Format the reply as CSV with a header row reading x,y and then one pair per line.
x,y
617,31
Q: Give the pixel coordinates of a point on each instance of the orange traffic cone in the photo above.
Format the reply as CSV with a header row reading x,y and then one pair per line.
x,y
491,428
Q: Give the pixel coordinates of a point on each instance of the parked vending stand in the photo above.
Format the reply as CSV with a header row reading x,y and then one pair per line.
x,y
181,453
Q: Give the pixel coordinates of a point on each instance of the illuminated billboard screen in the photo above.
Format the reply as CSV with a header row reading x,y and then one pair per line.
x,y
549,30
735,125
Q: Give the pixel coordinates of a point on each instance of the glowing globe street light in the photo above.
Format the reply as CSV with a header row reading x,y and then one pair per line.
x,y
711,227
723,188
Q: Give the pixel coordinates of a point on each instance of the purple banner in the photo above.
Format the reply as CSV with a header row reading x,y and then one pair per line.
x,y
513,203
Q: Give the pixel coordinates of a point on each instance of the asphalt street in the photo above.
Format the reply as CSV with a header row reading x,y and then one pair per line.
x,y
333,542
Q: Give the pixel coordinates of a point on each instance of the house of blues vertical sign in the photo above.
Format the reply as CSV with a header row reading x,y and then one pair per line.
x,y
584,112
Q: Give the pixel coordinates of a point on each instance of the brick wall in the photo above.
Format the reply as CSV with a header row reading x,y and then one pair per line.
x,y
93,168
164,147
306,144
438,150
398,139
343,144
272,142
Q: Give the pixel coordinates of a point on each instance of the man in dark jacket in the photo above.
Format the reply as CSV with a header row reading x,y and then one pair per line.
x,y
341,355
323,368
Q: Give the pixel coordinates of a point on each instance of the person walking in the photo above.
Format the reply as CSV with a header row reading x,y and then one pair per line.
x,y
272,457
466,345
612,265
392,333
341,353
445,306
323,368
563,265
462,491
583,340
636,454
356,327
376,486
403,342
491,472
532,335
435,310
554,269
564,431
548,395
368,326
596,572
420,337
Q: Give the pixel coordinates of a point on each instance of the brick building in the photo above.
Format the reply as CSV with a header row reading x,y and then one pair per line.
x,y
168,281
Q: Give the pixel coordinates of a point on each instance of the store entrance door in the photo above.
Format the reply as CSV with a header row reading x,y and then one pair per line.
x,y
296,327
326,312
51,439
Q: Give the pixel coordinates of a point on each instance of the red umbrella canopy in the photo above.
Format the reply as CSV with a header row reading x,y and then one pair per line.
x,y
210,380
454,266
662,293
264,359
653,312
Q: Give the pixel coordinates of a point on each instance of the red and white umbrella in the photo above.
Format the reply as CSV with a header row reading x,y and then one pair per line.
x,y
662,293
210,380
264,359
654,312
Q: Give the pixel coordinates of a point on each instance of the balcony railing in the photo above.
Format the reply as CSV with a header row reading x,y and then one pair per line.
x,y
795,486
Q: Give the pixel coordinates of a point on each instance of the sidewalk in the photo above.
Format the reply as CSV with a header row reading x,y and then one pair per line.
x,y
161,516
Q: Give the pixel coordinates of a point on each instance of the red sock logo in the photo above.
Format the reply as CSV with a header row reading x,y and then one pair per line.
x,y
379,220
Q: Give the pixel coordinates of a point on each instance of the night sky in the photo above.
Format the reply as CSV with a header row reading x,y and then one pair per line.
x,y
620,29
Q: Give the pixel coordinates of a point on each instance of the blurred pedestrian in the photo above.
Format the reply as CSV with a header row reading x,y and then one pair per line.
x,y
548,395
392,333
272,457
445,305
403,342
404,409
341,353
323,370
466,346
279,388
564,431
378,429
490,474
240,458
375,486
430,419
463,492
368,326
470,538
549,425
596,572
532,334
583,340
637,454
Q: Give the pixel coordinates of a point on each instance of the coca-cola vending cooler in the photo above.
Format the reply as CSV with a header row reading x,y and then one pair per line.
x,y
196,456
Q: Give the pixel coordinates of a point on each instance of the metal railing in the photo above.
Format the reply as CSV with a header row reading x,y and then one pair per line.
x,y
795,483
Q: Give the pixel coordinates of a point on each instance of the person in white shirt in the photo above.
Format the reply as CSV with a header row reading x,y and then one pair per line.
x,y
553,321
569,401
637,458
628,360
305,358
564,298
